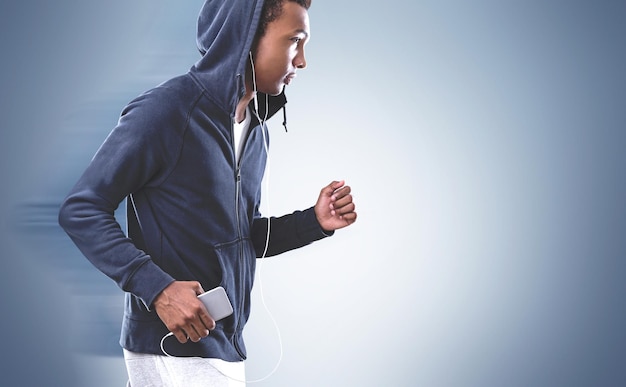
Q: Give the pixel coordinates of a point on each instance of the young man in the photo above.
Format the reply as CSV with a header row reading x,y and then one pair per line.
x,y
189,156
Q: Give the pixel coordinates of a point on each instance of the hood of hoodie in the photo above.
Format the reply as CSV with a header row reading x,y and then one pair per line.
x,y
226,30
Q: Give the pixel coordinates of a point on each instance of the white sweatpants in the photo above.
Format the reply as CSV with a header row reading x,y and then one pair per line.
x,y
147,370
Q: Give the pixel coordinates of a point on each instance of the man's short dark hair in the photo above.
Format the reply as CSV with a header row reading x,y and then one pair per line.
x,y
272,9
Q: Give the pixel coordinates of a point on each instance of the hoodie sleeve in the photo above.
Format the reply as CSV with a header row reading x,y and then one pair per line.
x,y
287,232
134,155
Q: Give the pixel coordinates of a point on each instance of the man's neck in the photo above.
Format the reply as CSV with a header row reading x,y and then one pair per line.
x,y
240,111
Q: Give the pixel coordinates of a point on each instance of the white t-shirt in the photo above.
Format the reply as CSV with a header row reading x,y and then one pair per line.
x,y
157,370
240,131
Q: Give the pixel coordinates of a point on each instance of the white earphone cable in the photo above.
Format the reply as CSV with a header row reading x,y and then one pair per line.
x,y
267,237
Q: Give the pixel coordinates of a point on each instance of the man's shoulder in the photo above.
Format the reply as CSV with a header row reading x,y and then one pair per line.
x,y
180,90
167,101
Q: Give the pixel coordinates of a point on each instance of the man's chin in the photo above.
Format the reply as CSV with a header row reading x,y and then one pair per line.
x,y
279,91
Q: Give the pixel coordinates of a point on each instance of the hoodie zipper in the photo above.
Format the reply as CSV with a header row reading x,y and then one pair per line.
x,y
242,275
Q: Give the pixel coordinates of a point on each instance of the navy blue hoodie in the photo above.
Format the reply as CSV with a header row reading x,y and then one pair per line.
x,y
192,209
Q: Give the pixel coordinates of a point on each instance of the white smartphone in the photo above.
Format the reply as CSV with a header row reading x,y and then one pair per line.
x,y
217,303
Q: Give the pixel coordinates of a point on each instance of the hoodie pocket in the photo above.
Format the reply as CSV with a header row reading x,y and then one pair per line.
x,y
237,260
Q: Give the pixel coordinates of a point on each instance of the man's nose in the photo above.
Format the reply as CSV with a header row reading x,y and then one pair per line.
x,y
300,60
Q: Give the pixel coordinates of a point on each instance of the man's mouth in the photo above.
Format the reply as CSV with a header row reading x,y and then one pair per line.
x,y
289,78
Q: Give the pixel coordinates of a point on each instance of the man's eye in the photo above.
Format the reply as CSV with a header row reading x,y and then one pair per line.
x,y
296,40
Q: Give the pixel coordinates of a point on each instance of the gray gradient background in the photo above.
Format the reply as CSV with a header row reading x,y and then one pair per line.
x,y
485,145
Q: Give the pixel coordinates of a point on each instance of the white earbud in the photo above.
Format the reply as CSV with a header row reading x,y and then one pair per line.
x,y
256,101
